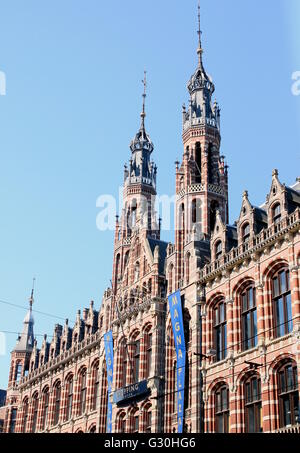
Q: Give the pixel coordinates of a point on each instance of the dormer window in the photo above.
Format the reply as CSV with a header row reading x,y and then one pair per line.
x,y
276,213
219,250
246,233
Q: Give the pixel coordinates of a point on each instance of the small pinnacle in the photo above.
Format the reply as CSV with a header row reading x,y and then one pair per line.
x,y
275,172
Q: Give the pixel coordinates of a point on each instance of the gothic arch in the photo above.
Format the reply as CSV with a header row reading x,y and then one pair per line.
x,y
272,267
241,285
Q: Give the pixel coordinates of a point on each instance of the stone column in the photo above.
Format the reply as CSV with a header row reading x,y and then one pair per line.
x,y
295,293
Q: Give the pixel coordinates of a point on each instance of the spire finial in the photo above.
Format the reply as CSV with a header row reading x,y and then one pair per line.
x,y
199,50
143,114
32,292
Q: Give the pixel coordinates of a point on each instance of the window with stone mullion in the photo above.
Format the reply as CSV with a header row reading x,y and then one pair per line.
x,y
249,318
282,303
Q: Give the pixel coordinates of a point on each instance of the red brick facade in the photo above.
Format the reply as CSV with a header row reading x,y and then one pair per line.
x,y
241,307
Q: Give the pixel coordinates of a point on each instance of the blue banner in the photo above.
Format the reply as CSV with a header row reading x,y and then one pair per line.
x,y
109,357
178,331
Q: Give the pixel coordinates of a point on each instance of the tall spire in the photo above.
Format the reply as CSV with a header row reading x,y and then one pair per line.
x,y
31,300
143,114
26,339
199,50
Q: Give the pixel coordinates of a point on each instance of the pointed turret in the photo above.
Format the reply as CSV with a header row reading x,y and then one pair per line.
x,y
141,169
201,88
26,339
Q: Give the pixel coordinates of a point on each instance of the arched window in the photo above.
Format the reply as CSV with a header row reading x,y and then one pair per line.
x,y
288,395
70,385
222,409
122,423
82,400
45,408
276,213
218,250
35,411
92,429
95,374
282,303
57,396
253,407
249,318
25,414
220,330
148,346
246,233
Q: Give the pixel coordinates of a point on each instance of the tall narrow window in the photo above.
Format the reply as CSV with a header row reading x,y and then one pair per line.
x,y
18,372
46,408
35,412
148,353
13,420
122,423
136,360
282,303
124,365
96,387
220,331
222,409
219,250
136,422
83,392
25,415
194,211
276,213
148,420
288,395
187,268
69,397
171,268
253,406
214,206
210,164
246,233
57,395
198,163
249,318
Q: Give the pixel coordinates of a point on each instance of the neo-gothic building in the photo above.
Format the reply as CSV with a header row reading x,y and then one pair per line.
x,y
239,287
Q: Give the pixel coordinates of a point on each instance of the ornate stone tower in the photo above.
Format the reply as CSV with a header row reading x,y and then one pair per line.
x,y
139,194
202,177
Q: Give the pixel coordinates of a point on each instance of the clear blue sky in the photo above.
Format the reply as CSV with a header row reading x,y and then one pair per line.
x,y
74,71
